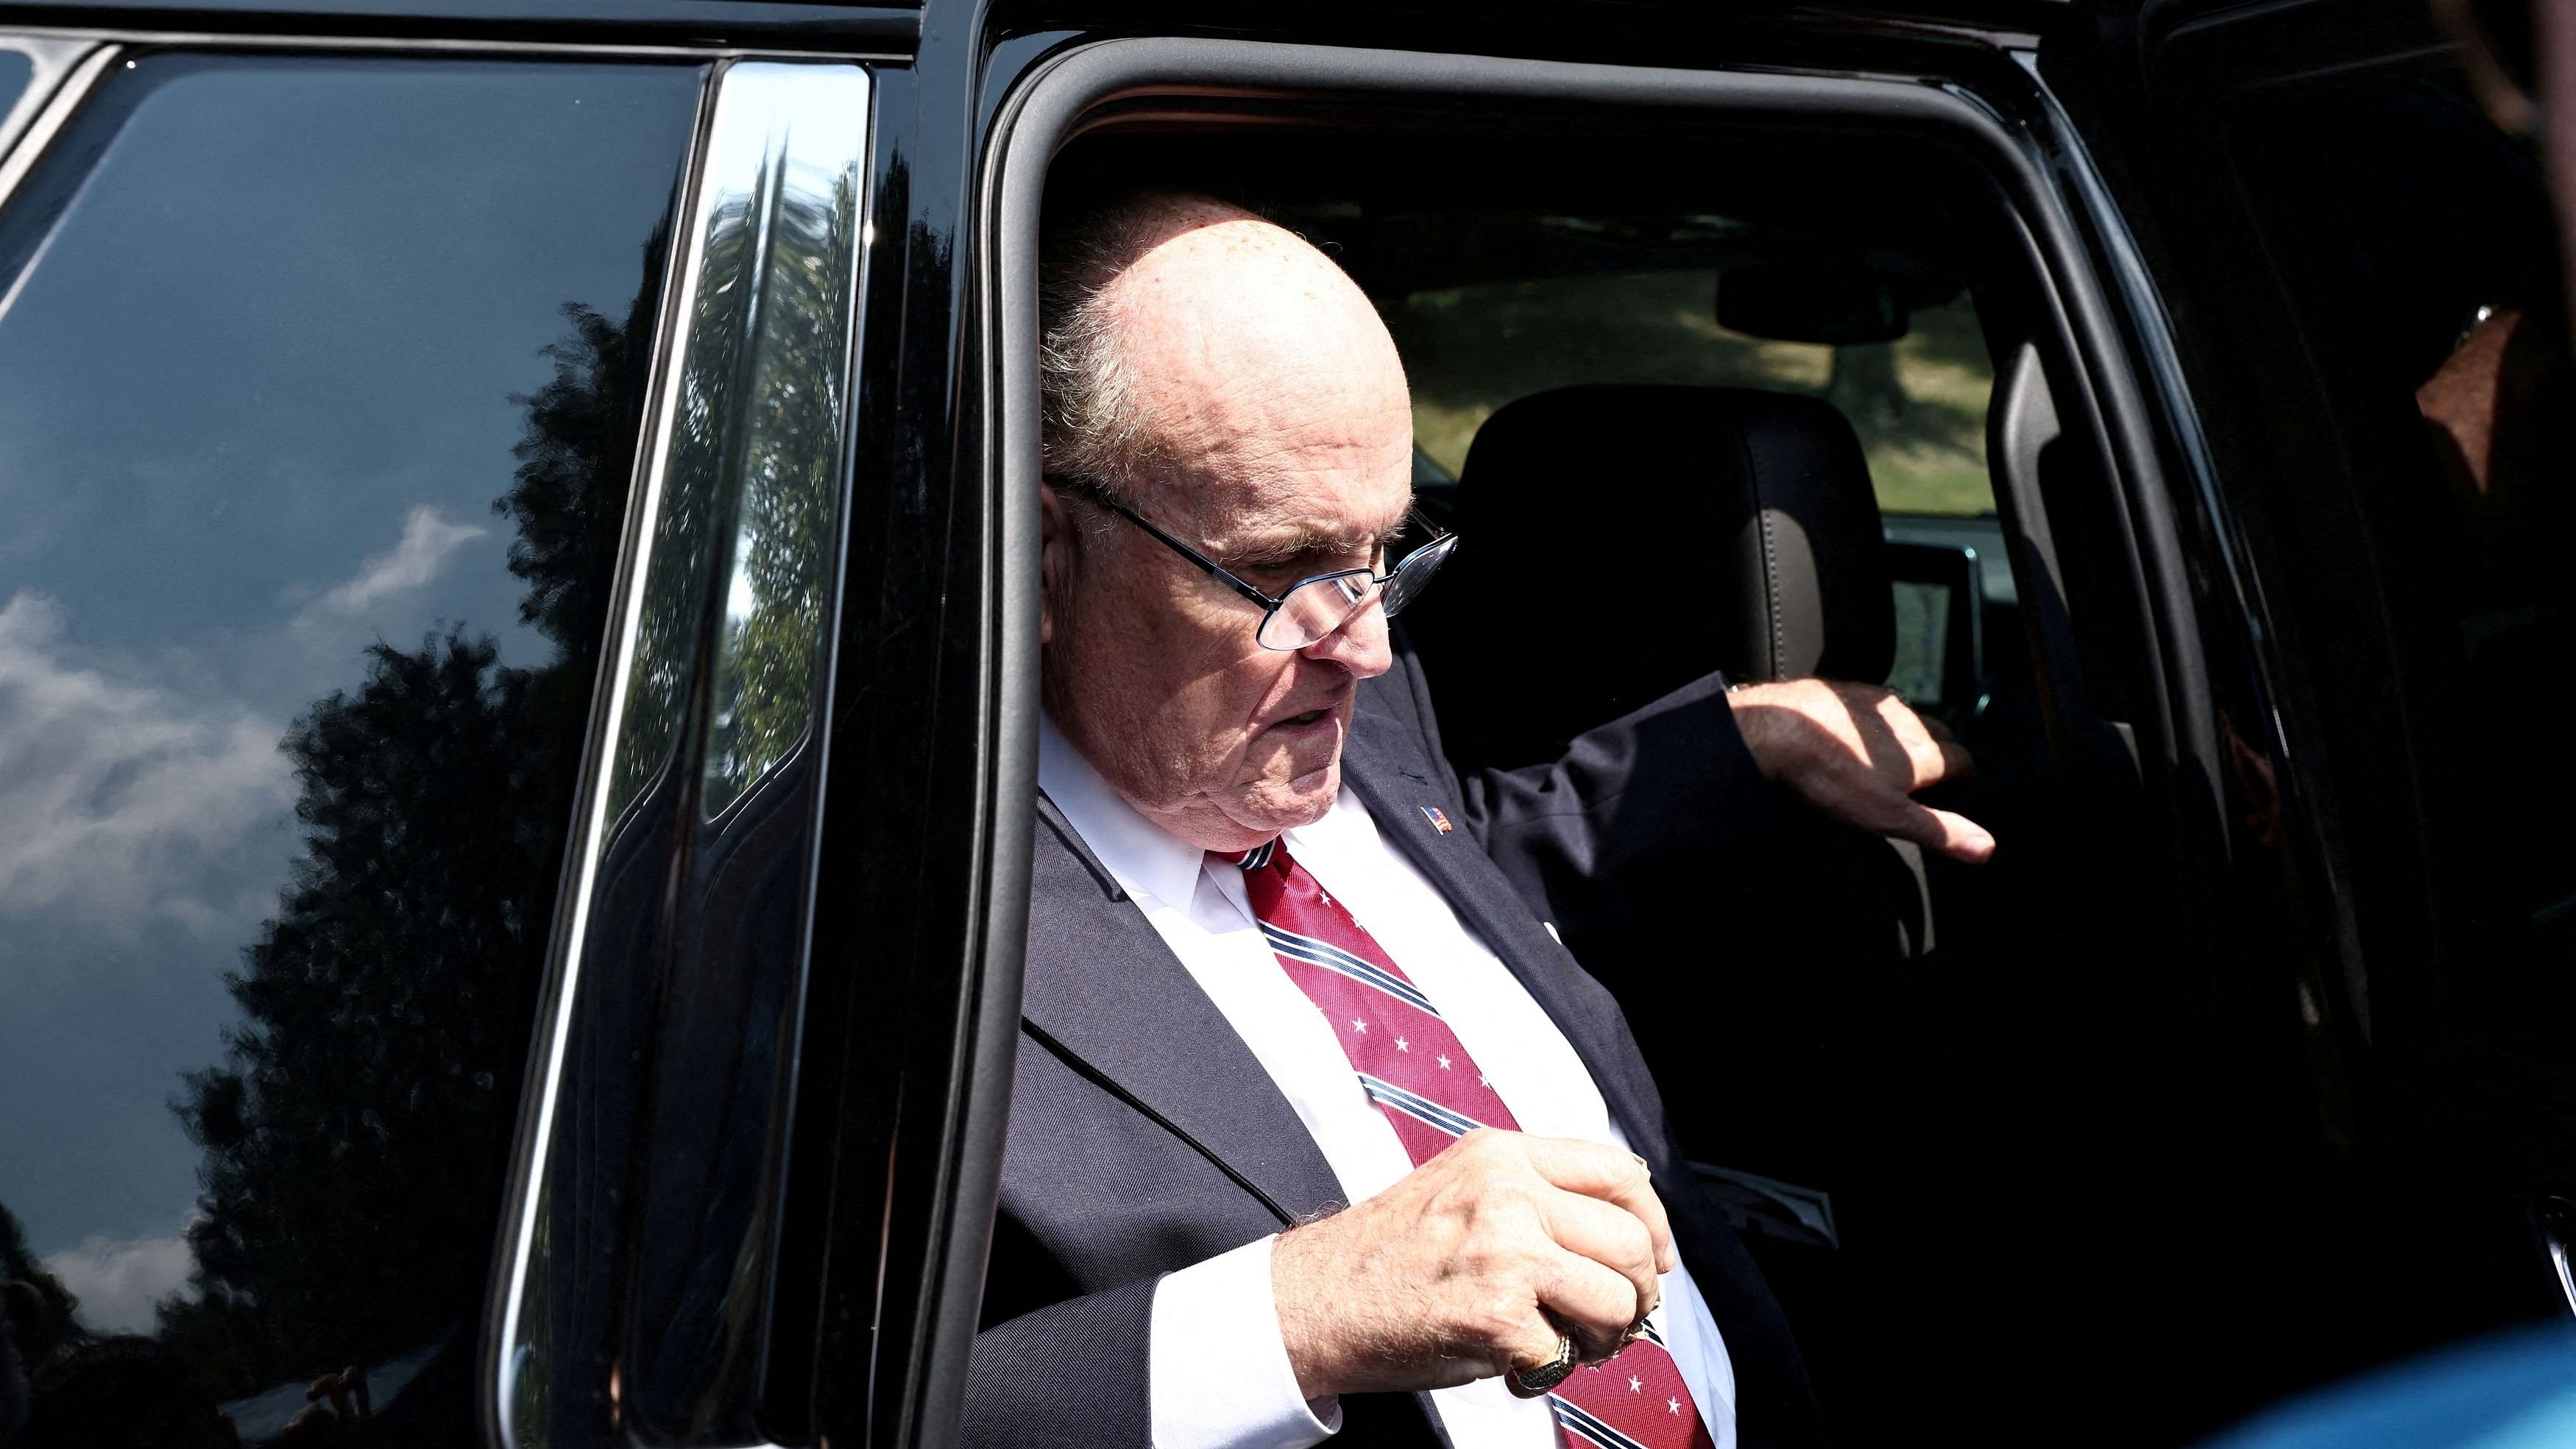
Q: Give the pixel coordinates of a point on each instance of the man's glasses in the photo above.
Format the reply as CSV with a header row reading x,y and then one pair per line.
x,y
1310,608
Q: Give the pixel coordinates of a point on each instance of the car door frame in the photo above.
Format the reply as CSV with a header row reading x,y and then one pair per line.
x,y
2357,898
1046,85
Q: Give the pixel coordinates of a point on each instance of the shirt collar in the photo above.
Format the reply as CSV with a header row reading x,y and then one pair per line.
x,y
1146,859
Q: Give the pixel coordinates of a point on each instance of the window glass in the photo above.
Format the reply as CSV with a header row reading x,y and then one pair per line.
x,y
1919,403
318,395
1920,671
2420,238
14,70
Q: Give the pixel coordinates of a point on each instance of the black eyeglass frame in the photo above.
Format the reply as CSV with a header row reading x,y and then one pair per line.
x,y
1090,492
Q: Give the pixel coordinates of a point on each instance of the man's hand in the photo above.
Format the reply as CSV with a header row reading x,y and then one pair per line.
x,y
1857,753
1450,1275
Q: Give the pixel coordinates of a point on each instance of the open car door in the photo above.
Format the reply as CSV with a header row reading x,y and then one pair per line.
x,y
2359,264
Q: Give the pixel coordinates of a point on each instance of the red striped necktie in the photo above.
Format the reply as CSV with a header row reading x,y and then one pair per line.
x,y
1411,1065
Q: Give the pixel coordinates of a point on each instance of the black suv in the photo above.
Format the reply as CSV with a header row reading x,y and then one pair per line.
x,y
517,657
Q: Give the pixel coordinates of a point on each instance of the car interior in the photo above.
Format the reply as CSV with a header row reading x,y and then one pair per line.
x,y
1786,401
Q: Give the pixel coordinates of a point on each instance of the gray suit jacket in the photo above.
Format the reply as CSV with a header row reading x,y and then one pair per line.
x,y
1144,1137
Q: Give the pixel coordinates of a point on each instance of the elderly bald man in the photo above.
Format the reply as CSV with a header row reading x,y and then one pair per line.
x,y
1317,1129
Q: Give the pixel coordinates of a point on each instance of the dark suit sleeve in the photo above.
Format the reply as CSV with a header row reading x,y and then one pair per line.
x,y
1636,807
1072,1375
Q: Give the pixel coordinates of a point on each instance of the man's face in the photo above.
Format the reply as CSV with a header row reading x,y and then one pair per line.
x,y
1283,441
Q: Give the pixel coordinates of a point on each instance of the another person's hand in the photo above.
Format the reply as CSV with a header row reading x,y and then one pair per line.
x,y
1857,753
1452,1274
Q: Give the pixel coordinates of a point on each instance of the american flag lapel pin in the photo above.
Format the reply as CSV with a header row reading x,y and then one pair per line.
x,y
1438,821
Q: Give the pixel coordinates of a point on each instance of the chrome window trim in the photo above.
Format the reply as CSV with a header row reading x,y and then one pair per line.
x,y
428,44
69,62
43,117
49,59
617,666
670,342
677,337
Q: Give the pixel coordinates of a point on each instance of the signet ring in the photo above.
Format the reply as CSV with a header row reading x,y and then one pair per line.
x,y
1531,1383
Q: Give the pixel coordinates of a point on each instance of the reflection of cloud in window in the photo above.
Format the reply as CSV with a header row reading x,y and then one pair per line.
x,y
428,541
116,1283
122,798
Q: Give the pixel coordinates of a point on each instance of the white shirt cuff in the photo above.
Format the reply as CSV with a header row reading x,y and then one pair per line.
x,y
1218,1371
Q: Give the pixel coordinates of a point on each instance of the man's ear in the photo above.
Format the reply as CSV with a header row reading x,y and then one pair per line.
x,y
1055,557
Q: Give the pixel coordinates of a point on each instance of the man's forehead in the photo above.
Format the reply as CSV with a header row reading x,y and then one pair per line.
x,y
1267,394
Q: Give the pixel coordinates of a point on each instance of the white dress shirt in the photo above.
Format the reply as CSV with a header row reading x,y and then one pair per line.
x,y
1219,1376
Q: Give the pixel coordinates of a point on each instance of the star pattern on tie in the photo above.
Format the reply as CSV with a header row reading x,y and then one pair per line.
x,y
1348,975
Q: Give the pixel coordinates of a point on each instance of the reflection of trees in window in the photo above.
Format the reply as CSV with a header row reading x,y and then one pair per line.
x,y
689,949
773,624
35,1314
347,1134
353,1134
684,527
760,402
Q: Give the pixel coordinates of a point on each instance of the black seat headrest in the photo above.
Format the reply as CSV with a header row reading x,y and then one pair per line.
x,y
1619,542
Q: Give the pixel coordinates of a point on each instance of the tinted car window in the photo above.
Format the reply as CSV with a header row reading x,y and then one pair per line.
x,y
318,395
14,70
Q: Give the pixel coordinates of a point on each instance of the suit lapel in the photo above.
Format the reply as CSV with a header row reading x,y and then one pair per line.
x,y
1104,987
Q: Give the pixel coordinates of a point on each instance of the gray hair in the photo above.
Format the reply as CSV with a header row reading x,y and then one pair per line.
x,y
1085,387
1092,429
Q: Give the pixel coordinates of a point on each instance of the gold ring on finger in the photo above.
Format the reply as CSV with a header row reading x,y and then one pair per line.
x,y
1531,1383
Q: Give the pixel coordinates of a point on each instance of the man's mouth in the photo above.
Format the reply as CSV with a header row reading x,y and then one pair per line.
x,y
1307,720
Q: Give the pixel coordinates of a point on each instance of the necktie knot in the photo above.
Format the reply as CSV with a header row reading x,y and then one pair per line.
x,y
1259,856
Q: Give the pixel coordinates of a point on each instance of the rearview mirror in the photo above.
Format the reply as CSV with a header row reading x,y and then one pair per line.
x,y
1837,303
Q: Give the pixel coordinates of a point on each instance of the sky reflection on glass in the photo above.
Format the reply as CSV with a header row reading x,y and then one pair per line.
x,y
257,398
14,70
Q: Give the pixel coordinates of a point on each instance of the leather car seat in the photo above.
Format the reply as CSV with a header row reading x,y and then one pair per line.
x,y
1618,542
1615,543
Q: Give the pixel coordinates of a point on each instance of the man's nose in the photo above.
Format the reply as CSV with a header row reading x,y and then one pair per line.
x,y
1360,645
